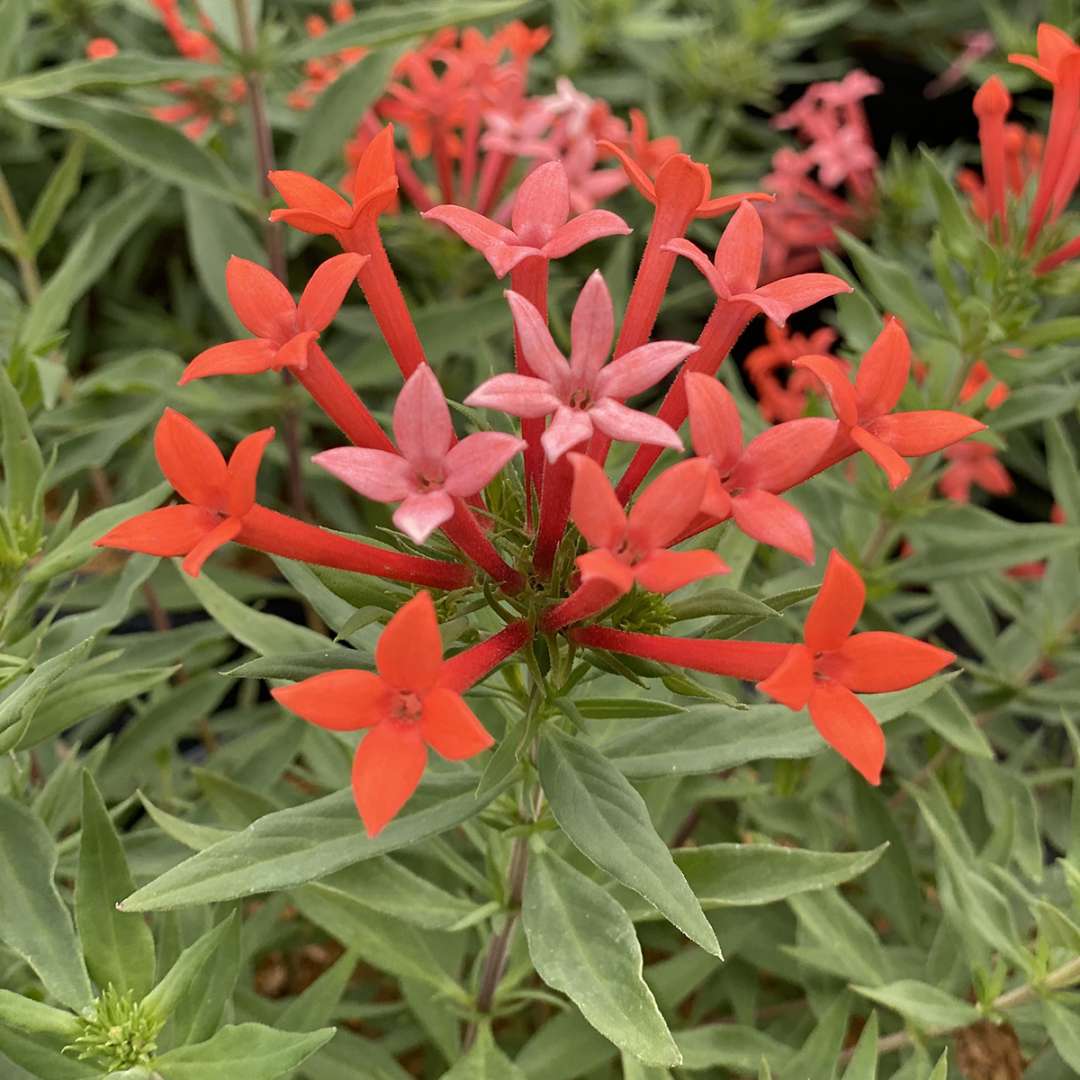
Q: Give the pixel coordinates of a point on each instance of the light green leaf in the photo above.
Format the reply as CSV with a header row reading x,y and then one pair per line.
x,y
608,821
191,835
583,944
1063,1027
315,1006
177,983
926,1006
59,191
125,69
863,1063
730,1046
20,456
251,1051
33,919
198,1011
26,1014
484,1061
119,948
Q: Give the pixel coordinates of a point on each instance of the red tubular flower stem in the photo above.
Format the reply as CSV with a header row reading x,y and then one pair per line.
x,y
383,294
278,534
411,183
1061,255
1064,111
338,400
444,166
554,510
588,599
530,279
468,667
721,331
992,143
465,531
493,175
749,660
470,152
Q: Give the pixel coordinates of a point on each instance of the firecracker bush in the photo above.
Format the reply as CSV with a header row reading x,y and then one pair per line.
x,y
539,540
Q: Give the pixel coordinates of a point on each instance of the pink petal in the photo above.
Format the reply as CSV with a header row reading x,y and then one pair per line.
x,y
636,174
601,565
260,301
420,515
629,425
326,290
537,346
592,225
593,506
703,263
422,424
518,395
542,203
779,299
568,429
715,427
246,357
833,377
592,329
668,505
496,243
666,571
738,253
472,463
641,368
376,474
770,520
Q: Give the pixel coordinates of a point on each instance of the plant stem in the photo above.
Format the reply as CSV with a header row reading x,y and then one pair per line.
x,y
28,270
272,231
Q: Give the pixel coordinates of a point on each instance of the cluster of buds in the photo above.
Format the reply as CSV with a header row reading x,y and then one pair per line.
x,y
540,577
1011,158
827,185
321,71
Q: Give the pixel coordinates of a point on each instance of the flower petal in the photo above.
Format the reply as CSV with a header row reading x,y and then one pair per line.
x,y
495,242
171,530
770,520
375,474
738,252
785,454
222,533
408,654
537,346
702,261
261,302
326,289
190,460
593,506
665,571
780,299
883,371
637,175
518,395
472,463
601,565
878,661
303,192
895,468
246,357
450,728
375,179
668,505
832,376
422,425
569,428
420,515
386,770
715,427
542,203
925,431
619,422
337,700
641,368
836,608
243,468
592,330
792,682
592,225
849,727
296,351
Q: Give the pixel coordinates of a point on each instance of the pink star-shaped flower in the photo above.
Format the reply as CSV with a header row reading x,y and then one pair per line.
x,y
584,394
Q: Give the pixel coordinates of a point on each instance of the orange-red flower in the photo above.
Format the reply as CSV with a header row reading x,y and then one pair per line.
x,y
406,708
833,665
973,464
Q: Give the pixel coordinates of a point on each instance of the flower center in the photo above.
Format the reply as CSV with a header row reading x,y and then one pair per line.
x,y
581,398
407,708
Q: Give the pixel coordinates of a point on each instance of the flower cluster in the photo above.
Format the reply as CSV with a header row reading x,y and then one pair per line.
x,y
542,577
830,182
1011,158
321,71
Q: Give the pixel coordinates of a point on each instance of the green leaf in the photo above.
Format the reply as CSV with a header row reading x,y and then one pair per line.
x,y
717,600
385,942
42,1057
253,1051
20,456
941,1069
315,1006
155,147
583,944
198,1012
608,821
26,1014
332,121
947,714
59,191
484,1061
91,254
177,983
191,835
926,1006
14,18
843,943
390,23
729,1046
33,919
1063,468
863,1063
304,843
126,69
1031,403
819,1054
119,948
1063,1027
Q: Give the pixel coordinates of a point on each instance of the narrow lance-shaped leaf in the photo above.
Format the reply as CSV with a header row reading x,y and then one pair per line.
x,y
253,1051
